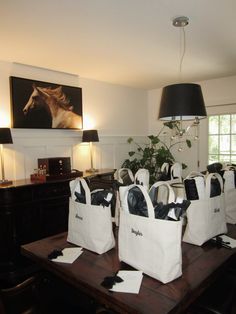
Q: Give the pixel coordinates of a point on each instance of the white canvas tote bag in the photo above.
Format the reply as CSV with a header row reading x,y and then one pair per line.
x,y
195,185
175,174
206,216
149,244
230,206
125,175
173,171
89,226
142,177
230,196
160,191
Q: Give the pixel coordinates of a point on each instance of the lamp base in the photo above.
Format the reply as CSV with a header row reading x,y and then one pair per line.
x,y
5,182
92,170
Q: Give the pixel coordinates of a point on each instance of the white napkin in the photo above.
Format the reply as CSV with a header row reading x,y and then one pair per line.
x,y
132,281
69,255
232,242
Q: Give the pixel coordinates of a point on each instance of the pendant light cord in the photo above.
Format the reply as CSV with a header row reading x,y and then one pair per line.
x,y
182,53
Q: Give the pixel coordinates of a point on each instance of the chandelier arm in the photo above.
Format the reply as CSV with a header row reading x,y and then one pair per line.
x,y
189,127
163,127
179,142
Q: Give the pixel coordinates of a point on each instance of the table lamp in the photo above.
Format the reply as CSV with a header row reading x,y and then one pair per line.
x,y
5,138
90,136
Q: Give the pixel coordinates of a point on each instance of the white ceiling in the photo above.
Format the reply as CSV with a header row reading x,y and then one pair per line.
x,y
127,42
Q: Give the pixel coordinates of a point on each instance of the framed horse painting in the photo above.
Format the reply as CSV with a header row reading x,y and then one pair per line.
x,y
43,105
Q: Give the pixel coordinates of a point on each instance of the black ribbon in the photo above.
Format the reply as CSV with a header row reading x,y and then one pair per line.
x,y
55,254
219,243
162,210
109,282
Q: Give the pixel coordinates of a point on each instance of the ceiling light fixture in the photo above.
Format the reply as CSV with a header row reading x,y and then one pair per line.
x,y
183,101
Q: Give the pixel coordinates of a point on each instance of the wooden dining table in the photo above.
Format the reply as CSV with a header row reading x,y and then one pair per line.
x,y
201,266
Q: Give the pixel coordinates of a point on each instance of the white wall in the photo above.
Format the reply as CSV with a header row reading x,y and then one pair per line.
x,y
219,91
220,97
117,112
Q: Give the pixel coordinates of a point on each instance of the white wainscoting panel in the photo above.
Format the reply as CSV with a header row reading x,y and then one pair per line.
x,y
21,157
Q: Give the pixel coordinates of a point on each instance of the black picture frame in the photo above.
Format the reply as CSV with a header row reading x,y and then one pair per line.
x,y
49,105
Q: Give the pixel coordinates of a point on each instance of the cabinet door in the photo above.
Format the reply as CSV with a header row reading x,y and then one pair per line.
x,y
27,220
7,239
54,216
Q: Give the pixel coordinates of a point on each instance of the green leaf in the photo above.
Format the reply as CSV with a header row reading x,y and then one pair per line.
x,y
155,140
152,154
189,144
170,125
131,154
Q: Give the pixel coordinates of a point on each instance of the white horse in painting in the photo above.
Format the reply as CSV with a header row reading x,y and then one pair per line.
x,y
57,104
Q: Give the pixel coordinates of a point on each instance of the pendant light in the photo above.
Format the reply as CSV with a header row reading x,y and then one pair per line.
x,y
183,101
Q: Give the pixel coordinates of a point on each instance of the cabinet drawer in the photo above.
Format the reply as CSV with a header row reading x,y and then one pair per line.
x,y
51,190
15,195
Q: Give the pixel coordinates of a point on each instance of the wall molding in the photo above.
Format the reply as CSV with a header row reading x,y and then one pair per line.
x,y
21,157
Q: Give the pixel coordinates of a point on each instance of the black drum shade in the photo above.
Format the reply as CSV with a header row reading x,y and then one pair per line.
x,y
90,136
182,102
5,136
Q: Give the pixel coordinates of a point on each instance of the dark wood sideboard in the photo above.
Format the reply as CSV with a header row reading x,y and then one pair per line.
x,y
31,211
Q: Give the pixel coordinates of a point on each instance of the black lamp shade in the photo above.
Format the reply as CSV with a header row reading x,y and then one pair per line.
x,y
182,101
90,136
5,136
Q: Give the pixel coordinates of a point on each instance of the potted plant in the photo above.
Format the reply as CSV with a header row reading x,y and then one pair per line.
x,y
152,155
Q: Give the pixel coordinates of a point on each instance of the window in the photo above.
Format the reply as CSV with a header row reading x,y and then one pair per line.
x,y
222,138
